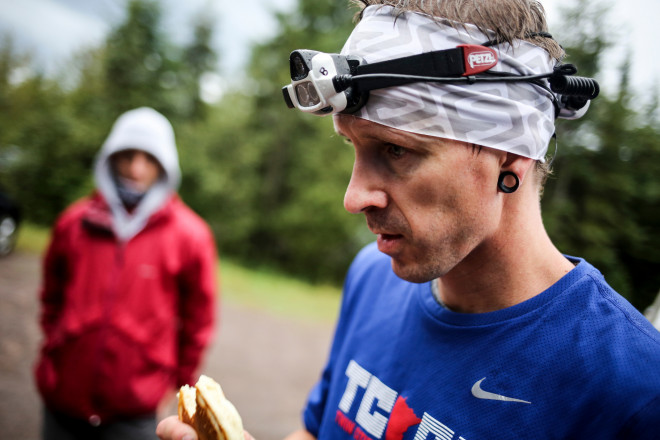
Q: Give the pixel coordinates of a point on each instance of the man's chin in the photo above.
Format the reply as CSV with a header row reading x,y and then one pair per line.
x,y
412,273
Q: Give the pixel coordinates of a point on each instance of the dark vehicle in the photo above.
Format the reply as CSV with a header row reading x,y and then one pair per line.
x,y
10,218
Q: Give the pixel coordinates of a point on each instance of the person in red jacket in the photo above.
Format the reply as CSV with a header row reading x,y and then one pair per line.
x,y
128,293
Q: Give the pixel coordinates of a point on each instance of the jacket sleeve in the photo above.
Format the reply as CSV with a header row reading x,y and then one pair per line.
x,y
198,293
54,276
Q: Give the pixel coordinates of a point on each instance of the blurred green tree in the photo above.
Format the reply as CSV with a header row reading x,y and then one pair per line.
x,y
298,223
53,127
42,163
200,59
137,63
143,67
604,202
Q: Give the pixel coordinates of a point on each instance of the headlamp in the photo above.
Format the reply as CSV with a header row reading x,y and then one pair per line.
x,y
323,83
313,77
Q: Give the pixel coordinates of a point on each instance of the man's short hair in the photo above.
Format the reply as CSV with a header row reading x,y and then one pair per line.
x,y
509,19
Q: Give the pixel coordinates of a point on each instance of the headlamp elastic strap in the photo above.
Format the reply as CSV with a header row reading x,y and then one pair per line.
x,y
440,63
463,60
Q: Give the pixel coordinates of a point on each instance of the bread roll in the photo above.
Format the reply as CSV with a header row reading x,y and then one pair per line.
x,y
187,404
209,412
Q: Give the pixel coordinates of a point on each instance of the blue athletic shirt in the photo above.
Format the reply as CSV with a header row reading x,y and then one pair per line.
x,y
576,361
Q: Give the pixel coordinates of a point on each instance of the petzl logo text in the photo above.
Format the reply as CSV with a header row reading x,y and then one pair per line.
x,y
479,59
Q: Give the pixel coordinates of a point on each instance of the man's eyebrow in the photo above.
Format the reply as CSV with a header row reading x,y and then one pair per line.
x,y
343,137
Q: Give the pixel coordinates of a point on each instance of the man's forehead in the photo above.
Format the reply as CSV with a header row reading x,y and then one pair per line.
x,y
129,152
351,126
339,121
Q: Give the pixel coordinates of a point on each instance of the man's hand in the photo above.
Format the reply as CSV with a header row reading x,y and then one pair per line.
x,y
171,428
301,434
167,404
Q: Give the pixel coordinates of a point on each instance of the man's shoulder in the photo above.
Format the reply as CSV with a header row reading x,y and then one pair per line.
x,y
74,212
611,302
184,213
187,220
613,330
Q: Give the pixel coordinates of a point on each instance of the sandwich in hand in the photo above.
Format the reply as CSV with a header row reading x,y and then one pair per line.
x,y
207,410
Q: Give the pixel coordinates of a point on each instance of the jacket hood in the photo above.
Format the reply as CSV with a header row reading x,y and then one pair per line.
x,y
140,129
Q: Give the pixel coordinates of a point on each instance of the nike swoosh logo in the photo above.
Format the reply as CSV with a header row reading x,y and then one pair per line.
x,y
481,394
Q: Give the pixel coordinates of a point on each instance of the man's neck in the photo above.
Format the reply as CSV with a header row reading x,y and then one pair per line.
x,y
503,272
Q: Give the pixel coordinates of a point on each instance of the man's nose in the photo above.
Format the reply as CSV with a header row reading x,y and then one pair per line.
x,y
365,190
139,163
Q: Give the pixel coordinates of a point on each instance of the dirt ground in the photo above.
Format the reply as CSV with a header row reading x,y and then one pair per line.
x,y
266,364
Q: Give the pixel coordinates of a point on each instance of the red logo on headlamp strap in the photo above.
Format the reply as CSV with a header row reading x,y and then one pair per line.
x,y
477,58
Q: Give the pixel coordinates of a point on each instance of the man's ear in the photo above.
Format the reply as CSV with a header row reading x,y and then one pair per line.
x,y
517,164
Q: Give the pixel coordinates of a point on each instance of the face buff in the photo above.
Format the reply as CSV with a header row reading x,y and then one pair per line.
x,y
514,117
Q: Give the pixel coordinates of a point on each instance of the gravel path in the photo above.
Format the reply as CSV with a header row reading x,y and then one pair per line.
x,y
266,364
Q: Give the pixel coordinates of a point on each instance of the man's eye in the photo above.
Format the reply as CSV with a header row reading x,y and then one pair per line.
x,y
396,151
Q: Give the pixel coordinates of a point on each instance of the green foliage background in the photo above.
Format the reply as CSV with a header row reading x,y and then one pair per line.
x,y
270,181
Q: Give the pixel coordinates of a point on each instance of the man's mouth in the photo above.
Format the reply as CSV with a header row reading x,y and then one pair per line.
x,y
385,228
389,236
390,244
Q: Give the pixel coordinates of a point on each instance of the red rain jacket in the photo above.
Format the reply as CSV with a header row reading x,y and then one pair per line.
x,y
123,323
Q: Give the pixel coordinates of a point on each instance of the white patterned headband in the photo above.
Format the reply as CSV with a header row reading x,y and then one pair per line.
x,y
489,110
514,117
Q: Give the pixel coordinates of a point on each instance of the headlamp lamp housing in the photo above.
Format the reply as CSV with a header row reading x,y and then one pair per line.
x,y
313,78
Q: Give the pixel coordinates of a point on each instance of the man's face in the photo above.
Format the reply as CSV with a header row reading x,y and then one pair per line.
x,y
432,202
140,169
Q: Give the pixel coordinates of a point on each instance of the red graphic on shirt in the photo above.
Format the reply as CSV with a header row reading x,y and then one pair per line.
x,y
402,418
344,422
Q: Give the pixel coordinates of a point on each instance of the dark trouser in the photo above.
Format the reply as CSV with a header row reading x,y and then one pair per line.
x,y
60,427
